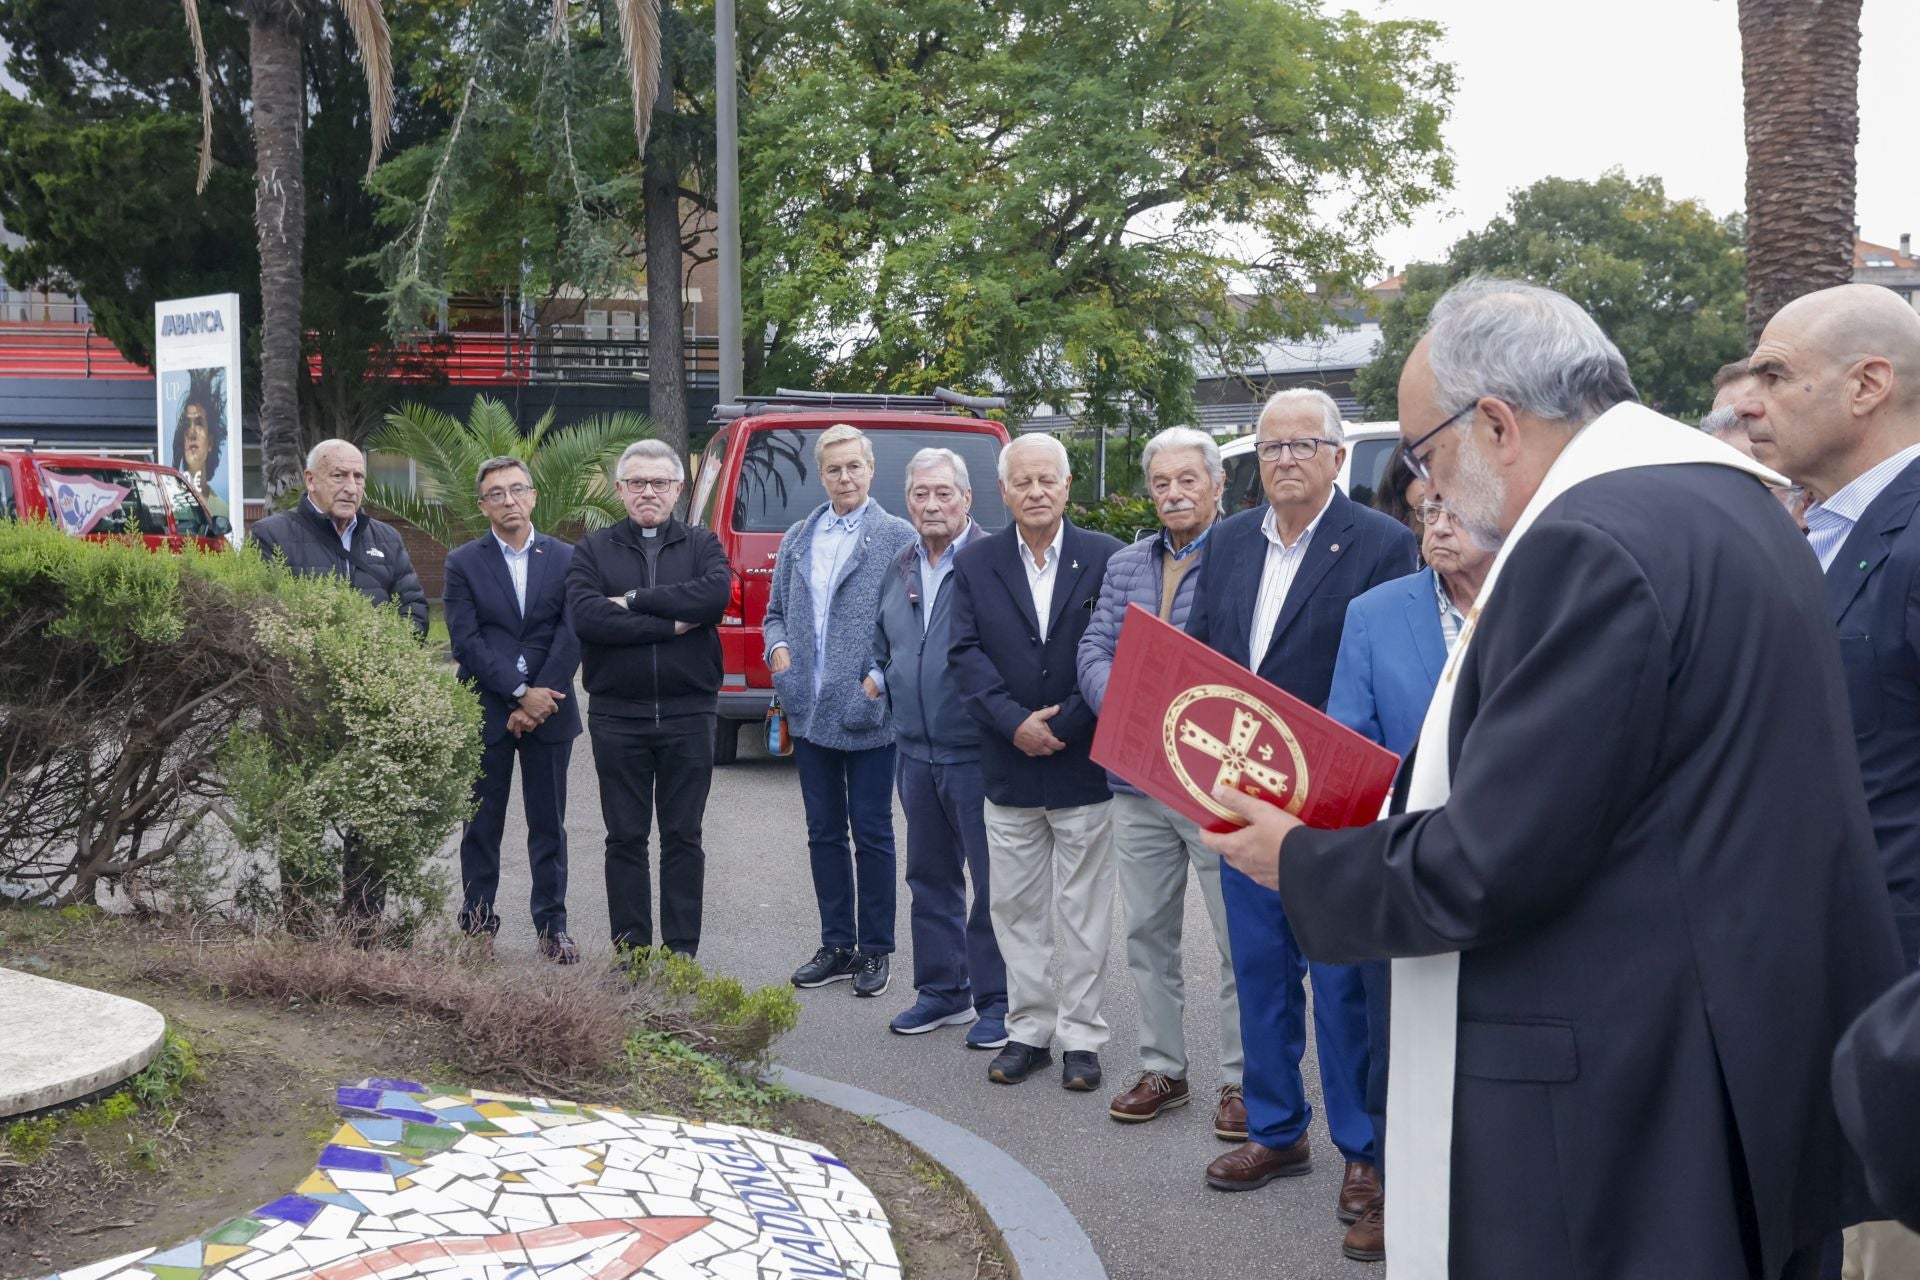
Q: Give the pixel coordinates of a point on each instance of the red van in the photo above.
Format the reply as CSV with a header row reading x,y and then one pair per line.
x,y
755,480
97,497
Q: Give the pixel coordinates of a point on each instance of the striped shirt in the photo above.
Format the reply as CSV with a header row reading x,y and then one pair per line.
x,y
1452,621
1829,522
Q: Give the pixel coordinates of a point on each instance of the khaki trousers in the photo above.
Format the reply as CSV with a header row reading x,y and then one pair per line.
x,y
1041,861
1882,1250
1153,847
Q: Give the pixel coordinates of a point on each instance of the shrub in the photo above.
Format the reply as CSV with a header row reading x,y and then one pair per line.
x,y
143,695
1123,515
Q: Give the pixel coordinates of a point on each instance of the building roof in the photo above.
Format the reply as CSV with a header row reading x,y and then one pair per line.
x,y
1330,351
1868,254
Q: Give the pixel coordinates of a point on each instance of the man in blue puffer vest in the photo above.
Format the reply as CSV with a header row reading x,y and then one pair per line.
x,y
1154,845
956,961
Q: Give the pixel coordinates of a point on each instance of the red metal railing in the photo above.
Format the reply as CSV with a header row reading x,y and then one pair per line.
x,y
552,353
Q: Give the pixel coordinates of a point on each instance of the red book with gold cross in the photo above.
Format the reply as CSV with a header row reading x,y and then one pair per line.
x,y
1178,720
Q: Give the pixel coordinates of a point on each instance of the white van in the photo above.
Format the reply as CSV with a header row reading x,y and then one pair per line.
x,y
1369,446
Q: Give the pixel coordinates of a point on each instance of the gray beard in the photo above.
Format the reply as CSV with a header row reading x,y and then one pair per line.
x,y
1477,497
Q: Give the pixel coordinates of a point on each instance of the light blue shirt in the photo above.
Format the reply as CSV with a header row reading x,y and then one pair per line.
x,y
934,572
1829,522
346,534
835,539
517,570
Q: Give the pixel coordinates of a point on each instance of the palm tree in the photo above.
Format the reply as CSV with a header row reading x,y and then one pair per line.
x,y
1800,61
571,468
275,54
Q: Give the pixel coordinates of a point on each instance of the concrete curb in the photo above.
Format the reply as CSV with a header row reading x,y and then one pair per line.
x,y
1044,1240
59,1042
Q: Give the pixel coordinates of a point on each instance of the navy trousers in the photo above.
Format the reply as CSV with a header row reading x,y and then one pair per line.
x,y
543,797
850,791
1269,968
955,957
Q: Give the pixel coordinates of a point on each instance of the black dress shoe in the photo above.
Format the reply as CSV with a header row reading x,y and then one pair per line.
x,y
1016,1062
829,964
559,948
871,976
1080,1070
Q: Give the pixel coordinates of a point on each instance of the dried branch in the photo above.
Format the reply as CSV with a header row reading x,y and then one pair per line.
x,y
368,23
206,93
640,37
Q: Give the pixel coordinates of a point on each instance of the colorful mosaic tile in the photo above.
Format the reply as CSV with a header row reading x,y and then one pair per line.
x,y
424,1183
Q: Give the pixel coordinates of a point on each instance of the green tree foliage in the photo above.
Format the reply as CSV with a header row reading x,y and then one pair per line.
x,y
1068,198
571,469
1663,277
98,163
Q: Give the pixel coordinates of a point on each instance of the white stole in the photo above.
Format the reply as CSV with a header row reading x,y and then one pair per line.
x,y
1425,1020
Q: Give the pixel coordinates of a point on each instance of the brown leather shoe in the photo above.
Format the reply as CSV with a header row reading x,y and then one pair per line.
x,y
1151,1094
1230,1117
1367,1238
1251,1165
1359,1187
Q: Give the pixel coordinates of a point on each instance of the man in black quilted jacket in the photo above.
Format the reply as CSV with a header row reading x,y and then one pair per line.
x,y
326,532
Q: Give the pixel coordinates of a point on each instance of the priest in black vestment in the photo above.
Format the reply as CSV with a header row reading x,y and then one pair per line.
x,y
1629,887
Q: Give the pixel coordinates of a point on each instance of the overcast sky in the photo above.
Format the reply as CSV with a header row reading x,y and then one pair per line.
x,y
1548,88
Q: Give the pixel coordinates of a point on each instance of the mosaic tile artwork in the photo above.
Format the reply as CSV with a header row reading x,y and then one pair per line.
x,y
425,1182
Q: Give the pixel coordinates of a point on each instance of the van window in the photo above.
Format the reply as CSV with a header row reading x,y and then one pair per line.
x,y
706,485
141,510
777,485
190,519
7,508
1368,467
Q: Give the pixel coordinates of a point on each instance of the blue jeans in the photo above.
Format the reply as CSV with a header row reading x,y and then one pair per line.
x,y
842,791
1268,966
955,957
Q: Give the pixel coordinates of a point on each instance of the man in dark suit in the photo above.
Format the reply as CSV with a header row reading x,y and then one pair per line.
x,y
1022,599
1631,897
1275,594
1834,402
506,604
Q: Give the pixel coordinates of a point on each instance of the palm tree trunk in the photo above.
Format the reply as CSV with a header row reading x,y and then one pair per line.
x,y
666,355
1800,61
280,217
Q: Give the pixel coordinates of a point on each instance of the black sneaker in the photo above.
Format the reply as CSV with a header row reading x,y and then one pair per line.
x,y
829,964
1080,1070
871,974
1016,1062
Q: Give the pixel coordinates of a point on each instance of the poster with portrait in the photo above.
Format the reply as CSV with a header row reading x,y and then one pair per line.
x,y
197,372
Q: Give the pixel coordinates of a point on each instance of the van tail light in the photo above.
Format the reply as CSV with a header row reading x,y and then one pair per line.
x,y
736,614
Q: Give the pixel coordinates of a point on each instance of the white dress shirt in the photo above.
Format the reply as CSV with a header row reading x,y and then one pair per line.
x,y
1829,522
1041,577
517,570
1276,579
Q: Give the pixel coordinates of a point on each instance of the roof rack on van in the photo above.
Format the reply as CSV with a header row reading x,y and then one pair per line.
x,y
786,398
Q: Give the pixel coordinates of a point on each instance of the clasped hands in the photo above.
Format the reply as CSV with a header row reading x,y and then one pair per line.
x,y
536,704
1254,849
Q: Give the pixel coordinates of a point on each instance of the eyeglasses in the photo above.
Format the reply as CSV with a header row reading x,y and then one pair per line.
x,y
646,484
518,492
1410,452
1428,512
1302,449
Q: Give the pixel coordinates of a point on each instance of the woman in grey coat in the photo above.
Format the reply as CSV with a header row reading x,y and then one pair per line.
x,y
819,626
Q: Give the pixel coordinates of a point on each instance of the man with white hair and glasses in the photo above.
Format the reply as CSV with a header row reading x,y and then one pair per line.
x,y
1627,931
1153,845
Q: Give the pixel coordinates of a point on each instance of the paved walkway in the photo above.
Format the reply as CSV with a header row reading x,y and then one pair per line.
x,y
1137,1190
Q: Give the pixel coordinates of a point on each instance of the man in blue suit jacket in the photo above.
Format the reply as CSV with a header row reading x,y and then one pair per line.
x,y
1022,600
1391,651
506,604
1273,599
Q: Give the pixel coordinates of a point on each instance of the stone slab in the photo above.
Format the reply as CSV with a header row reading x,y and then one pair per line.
x,y
59,1042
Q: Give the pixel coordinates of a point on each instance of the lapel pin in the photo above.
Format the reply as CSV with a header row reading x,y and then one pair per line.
x,y
1863,564
1333,548
1076,564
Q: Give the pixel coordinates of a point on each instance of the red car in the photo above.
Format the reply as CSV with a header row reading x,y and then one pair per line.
x,y
94,497
755,480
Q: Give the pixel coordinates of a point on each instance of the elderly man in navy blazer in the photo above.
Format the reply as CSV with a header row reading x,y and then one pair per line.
x,y
1022,600
1395,641
1834,402
506,607
1274,598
